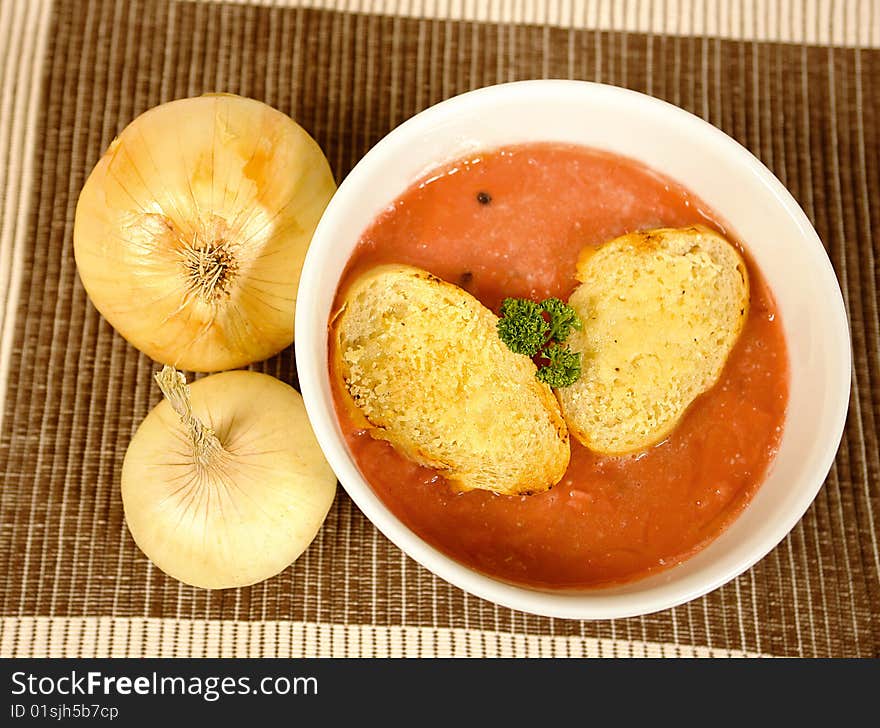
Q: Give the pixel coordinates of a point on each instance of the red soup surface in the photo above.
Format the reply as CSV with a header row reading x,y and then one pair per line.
x,y
511,222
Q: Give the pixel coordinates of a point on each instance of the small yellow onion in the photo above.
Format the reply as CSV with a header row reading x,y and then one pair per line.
x,y
191,231
224,483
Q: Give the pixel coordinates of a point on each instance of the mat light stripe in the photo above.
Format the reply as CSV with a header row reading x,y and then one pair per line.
x,y
853,23
138,637
22,78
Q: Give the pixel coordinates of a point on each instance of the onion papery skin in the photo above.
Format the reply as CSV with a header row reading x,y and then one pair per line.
x,y
191,231
251,509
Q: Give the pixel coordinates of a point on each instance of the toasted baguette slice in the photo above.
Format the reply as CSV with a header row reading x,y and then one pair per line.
x,y
662,310
423,365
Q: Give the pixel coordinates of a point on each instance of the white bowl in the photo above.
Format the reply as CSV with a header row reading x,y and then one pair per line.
x,y
719,171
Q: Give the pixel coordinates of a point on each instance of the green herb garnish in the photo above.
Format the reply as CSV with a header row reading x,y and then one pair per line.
x,y
522,326
530,328
564,367
563,319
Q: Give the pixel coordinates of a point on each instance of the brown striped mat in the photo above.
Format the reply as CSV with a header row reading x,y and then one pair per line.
x,y
795,82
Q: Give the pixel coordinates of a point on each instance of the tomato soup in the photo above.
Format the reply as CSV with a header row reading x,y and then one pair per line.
x,y
511,222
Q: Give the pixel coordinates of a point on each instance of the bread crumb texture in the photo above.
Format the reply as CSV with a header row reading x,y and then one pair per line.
x,y
423,364
662,310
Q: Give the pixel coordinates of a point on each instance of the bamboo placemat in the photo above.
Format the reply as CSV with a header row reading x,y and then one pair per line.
x,y
793,81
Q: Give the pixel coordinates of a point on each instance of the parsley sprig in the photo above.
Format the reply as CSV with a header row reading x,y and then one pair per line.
x,y
522,326
564,367
531,329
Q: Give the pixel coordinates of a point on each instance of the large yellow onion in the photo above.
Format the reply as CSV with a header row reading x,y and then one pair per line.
x,y
191,231
224,483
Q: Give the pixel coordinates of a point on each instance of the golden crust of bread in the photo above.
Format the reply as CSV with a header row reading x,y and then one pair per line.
x,y
423,367
662,310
